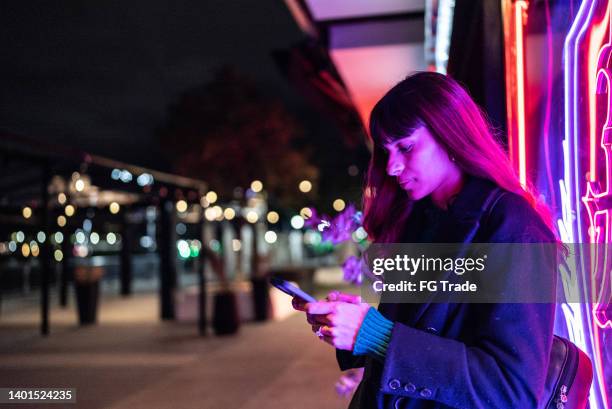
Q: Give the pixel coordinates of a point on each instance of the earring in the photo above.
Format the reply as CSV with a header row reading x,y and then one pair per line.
x,y
452,158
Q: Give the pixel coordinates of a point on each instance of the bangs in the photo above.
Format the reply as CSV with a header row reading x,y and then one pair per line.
x,y
390,121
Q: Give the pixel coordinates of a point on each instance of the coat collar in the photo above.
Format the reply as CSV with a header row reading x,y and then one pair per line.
x,y
461,221
458,224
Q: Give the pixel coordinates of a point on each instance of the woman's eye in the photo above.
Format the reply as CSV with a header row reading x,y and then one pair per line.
x,y
405,149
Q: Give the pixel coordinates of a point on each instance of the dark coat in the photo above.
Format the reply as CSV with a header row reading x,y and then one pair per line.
x,y
465,355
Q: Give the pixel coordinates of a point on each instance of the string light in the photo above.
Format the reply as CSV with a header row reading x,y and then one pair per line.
x,y
252,216
210,214
181,206
114,207
111,238
69,210
297,222
229,213
94,238
218,212
80,237
211,197
273,217
79,185
34,249
270,237
256,186
305,186
306,212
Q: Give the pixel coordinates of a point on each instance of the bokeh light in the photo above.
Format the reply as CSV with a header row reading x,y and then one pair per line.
x,y
305,186
297,222
211,197
273,217
114,207
69,210
252,216
339,205
256,186
181,206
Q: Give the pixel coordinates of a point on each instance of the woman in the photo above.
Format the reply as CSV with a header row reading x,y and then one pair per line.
x,y
438,175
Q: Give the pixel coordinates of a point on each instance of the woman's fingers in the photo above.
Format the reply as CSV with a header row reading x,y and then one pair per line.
x,y
298,304
317,319
350,298
324,333
343,297
337,322
332,296
323,330
320,308
329,340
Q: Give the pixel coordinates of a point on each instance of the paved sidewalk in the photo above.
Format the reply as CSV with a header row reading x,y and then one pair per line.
x,y
131,360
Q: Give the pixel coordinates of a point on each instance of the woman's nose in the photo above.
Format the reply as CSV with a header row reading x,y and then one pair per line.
x,y
394,168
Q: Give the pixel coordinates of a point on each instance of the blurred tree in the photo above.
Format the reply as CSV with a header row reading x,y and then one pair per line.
x,y
228,133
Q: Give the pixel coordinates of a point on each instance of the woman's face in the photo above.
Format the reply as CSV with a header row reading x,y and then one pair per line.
x,y
420,165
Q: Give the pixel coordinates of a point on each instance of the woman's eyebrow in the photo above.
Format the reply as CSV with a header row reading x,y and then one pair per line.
x,y
398,142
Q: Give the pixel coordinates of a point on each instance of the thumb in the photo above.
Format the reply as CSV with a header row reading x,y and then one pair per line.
x,y
344,297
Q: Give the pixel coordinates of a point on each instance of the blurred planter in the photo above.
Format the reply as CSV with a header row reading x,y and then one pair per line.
x,y
261,298
87,290
225,313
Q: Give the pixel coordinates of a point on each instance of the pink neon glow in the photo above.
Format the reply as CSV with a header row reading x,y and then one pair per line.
x,y
520,7
597,34
548,108
369,71
598,202
596,198
575,90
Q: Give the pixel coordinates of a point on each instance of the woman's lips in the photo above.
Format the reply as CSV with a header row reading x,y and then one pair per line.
x,y
406,183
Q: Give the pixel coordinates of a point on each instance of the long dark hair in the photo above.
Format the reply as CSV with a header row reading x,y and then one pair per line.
x,y
441,105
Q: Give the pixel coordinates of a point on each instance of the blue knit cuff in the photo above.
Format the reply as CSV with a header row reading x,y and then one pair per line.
x,y
374,335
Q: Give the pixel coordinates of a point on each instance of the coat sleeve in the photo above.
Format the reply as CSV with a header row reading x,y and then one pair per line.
x,y
506,367
346,360
506,364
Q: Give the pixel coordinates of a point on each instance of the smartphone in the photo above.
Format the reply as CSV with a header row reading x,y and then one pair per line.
x,y
290,289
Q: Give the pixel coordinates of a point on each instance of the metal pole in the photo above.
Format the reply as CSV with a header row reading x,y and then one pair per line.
x,y
202,277
167,255
126,256
65,270
45,251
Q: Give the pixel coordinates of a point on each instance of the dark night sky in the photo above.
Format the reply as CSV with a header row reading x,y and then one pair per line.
x,y
100,75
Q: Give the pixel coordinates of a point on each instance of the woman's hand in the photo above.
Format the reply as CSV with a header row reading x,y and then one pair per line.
x,y
337,319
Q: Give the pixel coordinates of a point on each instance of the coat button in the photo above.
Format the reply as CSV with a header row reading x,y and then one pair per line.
x,y
425,393
394,384
432,330
409,387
